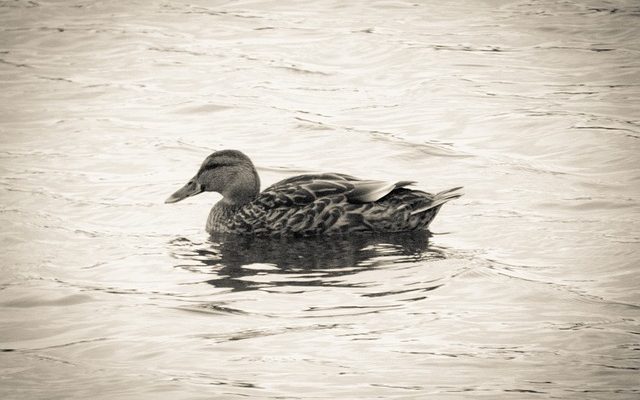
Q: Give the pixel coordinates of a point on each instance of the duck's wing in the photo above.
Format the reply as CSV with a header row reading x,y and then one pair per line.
x,y
305,189
310,178
311,204
370,191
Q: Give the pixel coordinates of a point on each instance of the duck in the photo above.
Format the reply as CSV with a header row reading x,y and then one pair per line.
x,y
309,204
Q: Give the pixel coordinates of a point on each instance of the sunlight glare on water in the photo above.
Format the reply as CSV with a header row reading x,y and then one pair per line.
x,y
526,288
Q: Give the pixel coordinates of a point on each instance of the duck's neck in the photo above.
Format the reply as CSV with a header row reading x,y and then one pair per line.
x,y
242,188
220,216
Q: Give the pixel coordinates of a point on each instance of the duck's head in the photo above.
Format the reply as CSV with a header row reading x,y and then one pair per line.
x,y
228,172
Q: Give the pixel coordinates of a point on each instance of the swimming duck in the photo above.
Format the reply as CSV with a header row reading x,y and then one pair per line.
x,y
305,205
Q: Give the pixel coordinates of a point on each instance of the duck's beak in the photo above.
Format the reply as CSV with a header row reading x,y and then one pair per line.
x,y
190,189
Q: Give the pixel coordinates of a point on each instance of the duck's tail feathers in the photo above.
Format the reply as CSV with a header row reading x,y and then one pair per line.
x,y
439,199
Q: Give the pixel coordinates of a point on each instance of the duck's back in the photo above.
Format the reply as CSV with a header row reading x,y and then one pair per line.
x,y
336,203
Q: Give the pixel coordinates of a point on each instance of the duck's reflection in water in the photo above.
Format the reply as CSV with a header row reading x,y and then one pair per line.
x,y
231,261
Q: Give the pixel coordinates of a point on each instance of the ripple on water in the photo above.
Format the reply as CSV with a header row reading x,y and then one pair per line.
x,y
532,106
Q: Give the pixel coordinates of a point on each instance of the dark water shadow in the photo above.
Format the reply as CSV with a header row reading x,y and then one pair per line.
x,y
231,261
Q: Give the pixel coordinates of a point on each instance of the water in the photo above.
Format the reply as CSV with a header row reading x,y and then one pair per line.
x,y
527,288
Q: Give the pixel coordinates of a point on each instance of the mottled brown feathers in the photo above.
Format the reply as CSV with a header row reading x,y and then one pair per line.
x,y
310,204
333,204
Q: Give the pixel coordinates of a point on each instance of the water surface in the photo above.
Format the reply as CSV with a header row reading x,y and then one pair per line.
x,y
527,287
